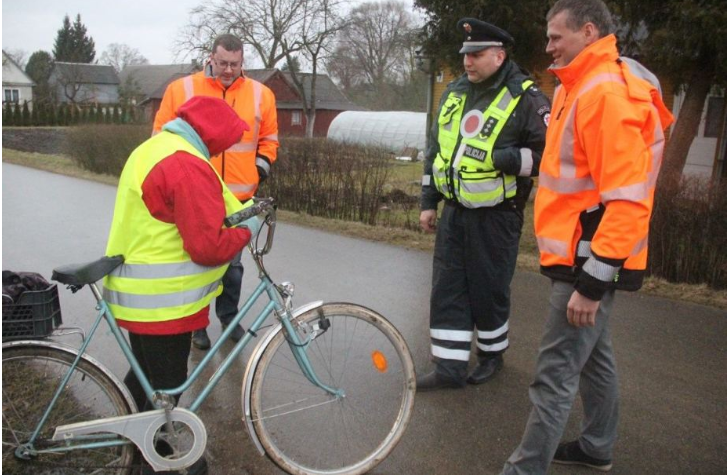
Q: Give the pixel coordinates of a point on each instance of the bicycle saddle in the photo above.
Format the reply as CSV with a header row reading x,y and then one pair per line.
x,y
86,273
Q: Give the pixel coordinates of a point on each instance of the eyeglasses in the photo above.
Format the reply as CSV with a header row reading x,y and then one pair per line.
x,y
226,64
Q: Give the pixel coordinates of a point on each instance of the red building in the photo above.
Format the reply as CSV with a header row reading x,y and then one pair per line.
x,y
152,80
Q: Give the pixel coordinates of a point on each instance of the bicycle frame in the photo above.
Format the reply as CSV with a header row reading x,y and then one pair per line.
x,y
279,302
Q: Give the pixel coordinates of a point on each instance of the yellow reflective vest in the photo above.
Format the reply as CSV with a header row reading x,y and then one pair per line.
x,y
463,169
158,280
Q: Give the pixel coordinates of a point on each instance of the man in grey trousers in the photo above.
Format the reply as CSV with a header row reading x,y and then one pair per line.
x,y
592,211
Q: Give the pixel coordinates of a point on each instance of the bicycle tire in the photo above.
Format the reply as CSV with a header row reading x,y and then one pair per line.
x,y
315,433
31,375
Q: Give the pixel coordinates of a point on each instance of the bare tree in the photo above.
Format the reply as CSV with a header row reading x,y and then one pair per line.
x,y
319,25
262,24
19,56
120,55
380,39
275,29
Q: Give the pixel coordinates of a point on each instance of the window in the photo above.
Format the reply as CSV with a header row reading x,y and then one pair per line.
x,y
296,118
714,116
12,95
440,76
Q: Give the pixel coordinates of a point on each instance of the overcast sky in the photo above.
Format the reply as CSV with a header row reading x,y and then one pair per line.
x,y
150,26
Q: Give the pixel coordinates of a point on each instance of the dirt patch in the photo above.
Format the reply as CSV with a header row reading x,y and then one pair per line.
x,y
43,140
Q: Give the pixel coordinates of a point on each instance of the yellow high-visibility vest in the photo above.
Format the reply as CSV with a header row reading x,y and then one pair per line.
x,y
158,280
463,169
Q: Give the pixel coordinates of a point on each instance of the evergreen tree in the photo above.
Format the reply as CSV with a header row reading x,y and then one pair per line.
x,y
84,115
26,114
132,114
52,115
34,116
72,43
107,115
61,114
39,69
7,115
115,118
42,114
124,117
17,116
99,114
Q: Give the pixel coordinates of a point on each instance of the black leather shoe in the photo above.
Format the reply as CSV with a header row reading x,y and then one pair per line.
x,y
435,381
237,334
486,369
571,453
200,339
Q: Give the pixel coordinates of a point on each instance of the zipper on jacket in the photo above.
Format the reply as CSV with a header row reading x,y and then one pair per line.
x,y
223,152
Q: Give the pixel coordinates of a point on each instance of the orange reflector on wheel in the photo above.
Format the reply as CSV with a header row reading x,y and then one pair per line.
x,y
379,361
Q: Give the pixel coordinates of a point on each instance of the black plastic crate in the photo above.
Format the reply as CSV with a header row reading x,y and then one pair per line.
x,y
35,315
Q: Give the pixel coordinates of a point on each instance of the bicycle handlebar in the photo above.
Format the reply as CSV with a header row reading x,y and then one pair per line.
x,y
262,205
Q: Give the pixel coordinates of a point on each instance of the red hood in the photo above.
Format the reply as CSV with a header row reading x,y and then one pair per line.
x,y
217,124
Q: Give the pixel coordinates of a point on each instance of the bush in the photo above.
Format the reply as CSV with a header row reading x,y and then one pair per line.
x,y
328,179
688,234
104,148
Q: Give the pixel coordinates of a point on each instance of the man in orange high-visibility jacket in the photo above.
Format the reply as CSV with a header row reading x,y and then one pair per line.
x,y
242,166
592,211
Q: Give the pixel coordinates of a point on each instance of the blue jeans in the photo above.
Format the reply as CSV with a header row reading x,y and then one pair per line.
x,y
226,304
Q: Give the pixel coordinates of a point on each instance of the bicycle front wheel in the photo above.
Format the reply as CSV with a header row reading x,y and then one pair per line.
x,y
31,375
306,430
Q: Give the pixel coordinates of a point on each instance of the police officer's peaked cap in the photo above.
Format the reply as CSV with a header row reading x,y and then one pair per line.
x,y
479,35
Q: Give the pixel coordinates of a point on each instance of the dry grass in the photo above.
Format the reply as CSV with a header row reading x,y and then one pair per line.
x,y
527,259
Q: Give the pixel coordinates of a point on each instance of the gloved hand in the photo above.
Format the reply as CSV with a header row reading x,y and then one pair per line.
x,y
262,174
253,224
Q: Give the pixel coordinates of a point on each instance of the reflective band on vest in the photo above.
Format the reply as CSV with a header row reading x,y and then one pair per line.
x,y
567,182
158,280
467,174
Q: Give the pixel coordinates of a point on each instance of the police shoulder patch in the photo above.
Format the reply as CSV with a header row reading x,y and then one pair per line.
x,y
533,90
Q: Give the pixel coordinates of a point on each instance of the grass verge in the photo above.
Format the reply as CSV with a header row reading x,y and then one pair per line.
x,y
527,259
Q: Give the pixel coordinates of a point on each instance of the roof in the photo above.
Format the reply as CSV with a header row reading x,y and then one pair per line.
x,y
328,96
15,76
87,73
152,79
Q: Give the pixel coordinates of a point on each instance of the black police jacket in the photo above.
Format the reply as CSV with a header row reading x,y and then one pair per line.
x,y
526,128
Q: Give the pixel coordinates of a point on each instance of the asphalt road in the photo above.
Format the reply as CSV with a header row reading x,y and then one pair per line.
x,y
671,355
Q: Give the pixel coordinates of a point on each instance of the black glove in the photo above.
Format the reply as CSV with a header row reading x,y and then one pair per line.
x,y
262,175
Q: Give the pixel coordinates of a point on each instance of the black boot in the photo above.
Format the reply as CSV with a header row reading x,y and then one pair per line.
x,y
487,368
436,381
200,339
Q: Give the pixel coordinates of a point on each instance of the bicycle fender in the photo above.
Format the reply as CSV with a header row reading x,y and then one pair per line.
x,y
253,364
65,348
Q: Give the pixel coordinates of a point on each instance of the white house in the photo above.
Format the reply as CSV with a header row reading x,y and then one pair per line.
x,y
85,83
17,86
707,152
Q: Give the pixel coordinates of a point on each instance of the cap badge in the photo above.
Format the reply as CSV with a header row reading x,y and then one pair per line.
x,y
467,27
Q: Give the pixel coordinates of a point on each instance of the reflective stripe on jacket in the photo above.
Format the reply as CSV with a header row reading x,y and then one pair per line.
x,y
597,179
158,280
463,169
255,104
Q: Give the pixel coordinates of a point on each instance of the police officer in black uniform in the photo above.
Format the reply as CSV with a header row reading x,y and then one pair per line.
x,y
484,148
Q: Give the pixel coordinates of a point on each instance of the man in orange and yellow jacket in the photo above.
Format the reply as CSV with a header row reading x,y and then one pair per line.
x,y
243,165
596,186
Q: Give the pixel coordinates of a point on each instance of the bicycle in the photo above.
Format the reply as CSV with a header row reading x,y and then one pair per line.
x,y
339,371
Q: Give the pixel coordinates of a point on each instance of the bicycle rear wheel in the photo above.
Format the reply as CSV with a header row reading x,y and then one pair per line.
x,y
31,375
306,430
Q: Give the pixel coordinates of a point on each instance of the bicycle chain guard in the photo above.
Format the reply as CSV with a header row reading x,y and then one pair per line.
x,y
141,429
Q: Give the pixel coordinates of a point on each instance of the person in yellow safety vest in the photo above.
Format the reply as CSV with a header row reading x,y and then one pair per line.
x,y
168,225
592,213
484,148
243,165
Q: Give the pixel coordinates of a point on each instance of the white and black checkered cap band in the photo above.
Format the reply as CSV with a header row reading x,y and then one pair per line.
x,y
473,46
